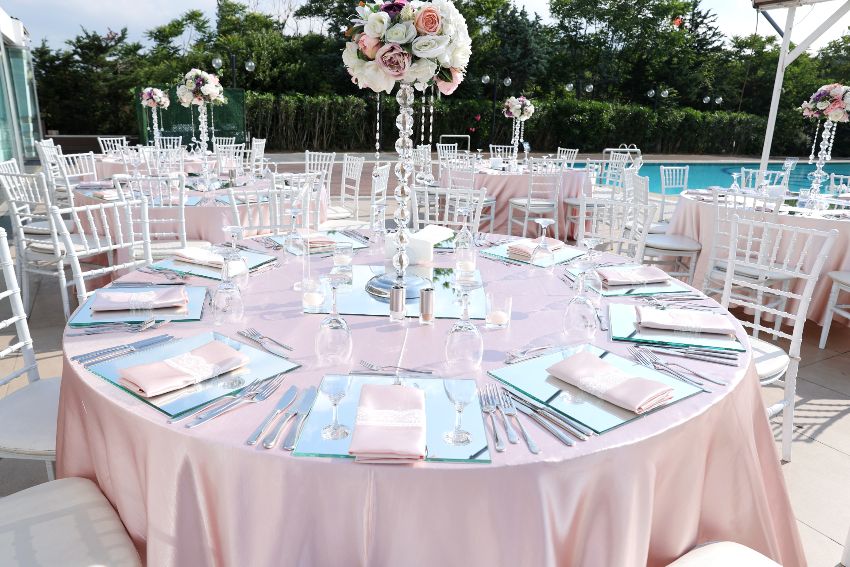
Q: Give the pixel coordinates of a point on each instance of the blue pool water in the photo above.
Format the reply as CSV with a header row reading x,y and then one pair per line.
x,y
705,174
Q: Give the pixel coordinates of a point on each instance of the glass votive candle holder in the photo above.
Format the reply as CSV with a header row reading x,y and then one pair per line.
x,y
498,311
343,254
464,263
312,295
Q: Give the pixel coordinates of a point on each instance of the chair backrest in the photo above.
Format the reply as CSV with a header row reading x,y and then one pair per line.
x,y
266,209
110,144
762,252
568,157
18,318
227,141
28,198
445,153
674,180
836,182
107,228
256,157
607,177
163,161
168,195
10,166
639,187
621,224
544,181
751,178
322,163
352,170
503,151
170,142
422,170
630,154
461,194
378,200
230,157
48,154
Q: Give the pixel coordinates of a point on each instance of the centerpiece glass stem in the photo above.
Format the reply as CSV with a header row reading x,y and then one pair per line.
x,y
823,155
403,170
155,126
204,138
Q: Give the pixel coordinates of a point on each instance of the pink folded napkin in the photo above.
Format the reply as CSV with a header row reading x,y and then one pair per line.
x,y
317,240
632,276
106,195
685,320
593,375
525,248
95,184
205,362
201,256
161,298
390,425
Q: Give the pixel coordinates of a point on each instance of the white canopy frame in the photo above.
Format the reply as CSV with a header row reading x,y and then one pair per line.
x,y
786,58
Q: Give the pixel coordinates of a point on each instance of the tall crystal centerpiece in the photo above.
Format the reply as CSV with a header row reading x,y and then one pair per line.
x,y
829,103
518,109
201,89
157,100
395,42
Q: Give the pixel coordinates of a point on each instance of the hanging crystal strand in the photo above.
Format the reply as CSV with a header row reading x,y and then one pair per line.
x,y
814,143
192,121
818,175
154,127
831,141
403,169
424,104
431,119
378,128
212,123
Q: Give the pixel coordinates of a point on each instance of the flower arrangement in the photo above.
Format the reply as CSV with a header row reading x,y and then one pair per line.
x,y
199,88
518,108
416,42
830,102
154,98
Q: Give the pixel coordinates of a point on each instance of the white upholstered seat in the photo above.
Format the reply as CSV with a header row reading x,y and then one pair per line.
x,y
28,419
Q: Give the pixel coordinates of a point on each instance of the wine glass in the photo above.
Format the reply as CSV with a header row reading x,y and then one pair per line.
x,y
464,345
580,321
464,238
227,304
293,243
335,387
237,265
333,341
460,393
542,256
591,245
735,187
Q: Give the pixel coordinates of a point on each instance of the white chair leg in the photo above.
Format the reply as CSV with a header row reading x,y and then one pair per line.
x,y
525,224
557,228
833,301
510,220
63,291
51,472
692,267
790,395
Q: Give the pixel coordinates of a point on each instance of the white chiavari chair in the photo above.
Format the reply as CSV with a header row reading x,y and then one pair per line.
x,y
674,180
840,283
163,161
568,157
28,415
505,152
256,156
63,522
422,167
9,166
223,140
629,153
378,199
107,229
759,254
752,178
445,153
349,191
462,176
618,223
445,207
170,142
321,163
266,210
230,157
111,144
839,183
462,191
543,199
74,169
49,154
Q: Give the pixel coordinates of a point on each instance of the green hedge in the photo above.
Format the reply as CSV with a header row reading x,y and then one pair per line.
x,y
297,122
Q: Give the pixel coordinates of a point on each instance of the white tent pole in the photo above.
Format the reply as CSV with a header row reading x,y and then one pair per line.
x,y
777,88
821,29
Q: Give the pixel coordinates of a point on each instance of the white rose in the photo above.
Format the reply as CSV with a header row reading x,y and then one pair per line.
x,y
209,90
822,104
363,13
349,54
838,116
836,92
421,72
377,24
847,99
400,33
460,56
429,46
376,79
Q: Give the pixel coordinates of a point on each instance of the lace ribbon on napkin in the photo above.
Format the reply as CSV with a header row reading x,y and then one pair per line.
x,y
599,384
195,366
389,417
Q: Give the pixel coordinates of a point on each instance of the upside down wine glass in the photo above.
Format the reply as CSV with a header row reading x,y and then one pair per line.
x,y
333,341
464,345
293,241
543,256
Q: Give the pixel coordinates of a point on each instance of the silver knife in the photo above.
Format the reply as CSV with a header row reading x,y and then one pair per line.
x,y
284,403
274,348
303,409
546,425
270,440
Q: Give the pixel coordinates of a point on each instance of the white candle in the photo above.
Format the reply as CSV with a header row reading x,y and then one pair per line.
x,y
343,259
313,298
497,318
465,265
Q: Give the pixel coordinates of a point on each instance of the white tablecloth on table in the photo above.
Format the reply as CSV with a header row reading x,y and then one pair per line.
x,y
107,167
645,493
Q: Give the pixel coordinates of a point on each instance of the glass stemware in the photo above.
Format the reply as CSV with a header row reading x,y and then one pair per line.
x,y
464,238
464,345
460,394
580,321
293,243
237,266
735,187
542,256
227,304
335,387
333,341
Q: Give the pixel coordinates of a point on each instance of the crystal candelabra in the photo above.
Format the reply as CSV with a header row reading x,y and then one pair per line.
x,y
155,126
824,155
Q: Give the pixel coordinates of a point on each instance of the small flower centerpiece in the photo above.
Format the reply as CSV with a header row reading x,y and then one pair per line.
x,y
519,110
829,103
157,100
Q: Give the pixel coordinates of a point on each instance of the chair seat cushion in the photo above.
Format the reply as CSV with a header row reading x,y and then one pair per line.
x,y
725,554
28,419
532,203
842,278
336,212
66,522
771,360
672,242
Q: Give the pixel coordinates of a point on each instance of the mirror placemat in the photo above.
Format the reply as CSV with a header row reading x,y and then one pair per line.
x,y
530,378
439,419
85,317
562,255
262,365
253,259
334,235
672,285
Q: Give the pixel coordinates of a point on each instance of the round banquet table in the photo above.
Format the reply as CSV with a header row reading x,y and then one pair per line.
x,y
107,166
645,493
504,186
694,216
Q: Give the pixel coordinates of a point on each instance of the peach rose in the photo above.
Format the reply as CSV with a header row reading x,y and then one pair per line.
x,y
368,45
448,88
428,20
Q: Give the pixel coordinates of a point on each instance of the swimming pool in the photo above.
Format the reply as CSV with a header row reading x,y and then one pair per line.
x,y
705,174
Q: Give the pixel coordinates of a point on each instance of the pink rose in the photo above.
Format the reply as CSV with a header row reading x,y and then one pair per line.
x,y
394,60
836,105
428,20
448,88
368,45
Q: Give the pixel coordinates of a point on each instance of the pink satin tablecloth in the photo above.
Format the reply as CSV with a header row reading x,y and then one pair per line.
x,y
107,167
696,219
645,493
506,186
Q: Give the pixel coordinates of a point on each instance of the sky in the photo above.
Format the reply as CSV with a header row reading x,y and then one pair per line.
x,y
59,20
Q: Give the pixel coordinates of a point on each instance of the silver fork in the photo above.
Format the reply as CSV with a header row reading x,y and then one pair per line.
x,y
489,407
656,359
493,394
377,368
509,409
272,244
258,395
644,361
258,336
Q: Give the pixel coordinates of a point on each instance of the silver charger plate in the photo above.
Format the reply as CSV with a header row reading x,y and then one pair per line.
x,y
261,366
624,327
85,317
439,419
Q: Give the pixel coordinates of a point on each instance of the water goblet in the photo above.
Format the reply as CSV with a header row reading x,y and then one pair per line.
x,y
227,305
237,266
542,256
335,387
333,341
464,237
464,345
460,394
735,187
580,321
